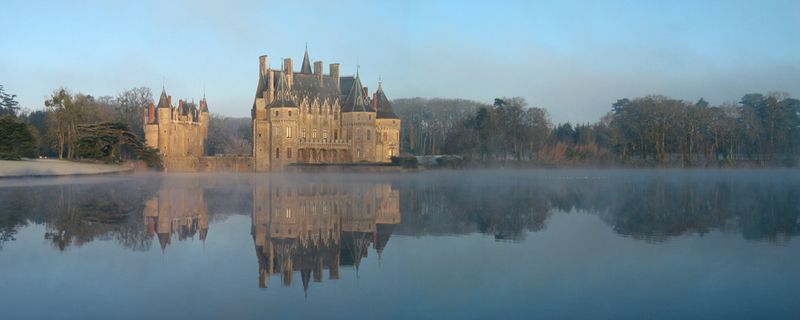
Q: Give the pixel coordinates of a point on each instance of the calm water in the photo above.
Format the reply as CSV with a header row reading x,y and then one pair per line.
x,y
501,244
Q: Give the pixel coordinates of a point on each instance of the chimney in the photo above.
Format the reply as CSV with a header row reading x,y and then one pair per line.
x,y
263,64
318,71
334,71
270,86
287,68
151,113
169,101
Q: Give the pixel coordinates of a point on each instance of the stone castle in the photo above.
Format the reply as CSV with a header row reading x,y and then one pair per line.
x,y
304,117
312,117
179,133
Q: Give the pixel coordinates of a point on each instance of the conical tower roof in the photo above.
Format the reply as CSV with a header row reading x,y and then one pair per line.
x,y
163,101
306,67
357,100
383,106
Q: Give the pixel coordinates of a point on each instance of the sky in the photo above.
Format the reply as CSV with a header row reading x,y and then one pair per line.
x,y
573,58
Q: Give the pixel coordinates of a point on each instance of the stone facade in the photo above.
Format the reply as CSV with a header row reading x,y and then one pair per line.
x,y
311,117
179,133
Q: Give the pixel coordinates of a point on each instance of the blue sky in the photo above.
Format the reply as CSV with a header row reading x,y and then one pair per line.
x,y
573,58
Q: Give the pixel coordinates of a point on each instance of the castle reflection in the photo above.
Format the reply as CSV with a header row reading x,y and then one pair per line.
x,y
178,209
312,227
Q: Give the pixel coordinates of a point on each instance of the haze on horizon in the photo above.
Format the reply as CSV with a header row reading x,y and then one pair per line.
x,y
573,58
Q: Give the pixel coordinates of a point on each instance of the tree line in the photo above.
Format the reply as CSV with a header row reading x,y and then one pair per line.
x,y
760,129
77,126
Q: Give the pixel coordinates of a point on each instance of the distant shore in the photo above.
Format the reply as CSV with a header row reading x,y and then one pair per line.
x,y
56,168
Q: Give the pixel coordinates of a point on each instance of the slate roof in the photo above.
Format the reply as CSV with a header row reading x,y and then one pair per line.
x,y
383,106
203,104
306,67
283,97
163,101
357,100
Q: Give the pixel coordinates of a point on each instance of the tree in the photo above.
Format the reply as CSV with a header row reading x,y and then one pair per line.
x,y
130,107
104,140
8,103
66,111
15,139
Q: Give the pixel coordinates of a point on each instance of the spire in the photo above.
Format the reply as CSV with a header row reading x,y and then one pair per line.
x,y
163,101
306,67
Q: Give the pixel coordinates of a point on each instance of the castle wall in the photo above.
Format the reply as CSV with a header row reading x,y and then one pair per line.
x,y
359,129
388,139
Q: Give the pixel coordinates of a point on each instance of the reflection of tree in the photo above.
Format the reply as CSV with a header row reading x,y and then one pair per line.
x,y
78,213
505,210
13,212
646,206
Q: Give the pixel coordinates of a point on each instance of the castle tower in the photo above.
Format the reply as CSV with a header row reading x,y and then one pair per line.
x,y
164,115
283,115
203,119
261,126
387,126
358,123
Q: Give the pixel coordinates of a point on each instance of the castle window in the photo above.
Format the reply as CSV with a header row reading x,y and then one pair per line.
x,y
277,113
277,153
288,132
384,136
290,113
369,117
369,135
304,133
335,134
289,153
325,134
335,116
358,134
314,133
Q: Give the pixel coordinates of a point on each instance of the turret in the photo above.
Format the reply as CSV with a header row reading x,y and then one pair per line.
x,y
204,121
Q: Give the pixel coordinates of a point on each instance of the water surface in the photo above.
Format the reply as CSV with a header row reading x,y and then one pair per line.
x,y
493,244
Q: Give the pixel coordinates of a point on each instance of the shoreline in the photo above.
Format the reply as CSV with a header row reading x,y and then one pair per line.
x,y
50,168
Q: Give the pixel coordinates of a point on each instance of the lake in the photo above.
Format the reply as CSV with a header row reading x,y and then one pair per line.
x,y
605,244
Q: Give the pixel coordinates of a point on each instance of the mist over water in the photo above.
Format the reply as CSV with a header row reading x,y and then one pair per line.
x,y
465,244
